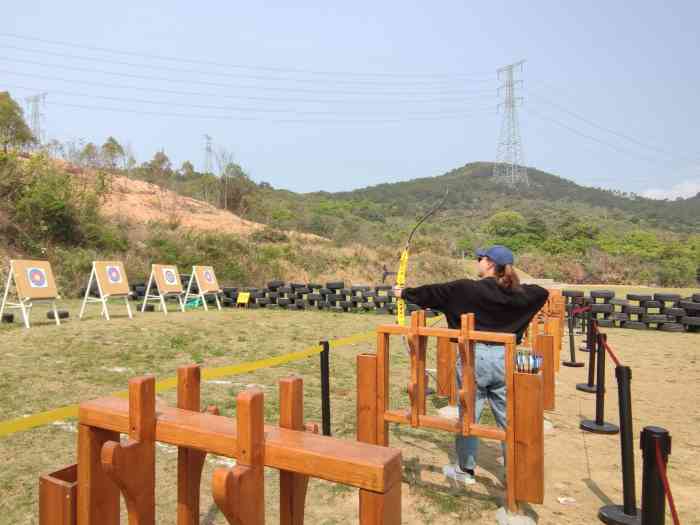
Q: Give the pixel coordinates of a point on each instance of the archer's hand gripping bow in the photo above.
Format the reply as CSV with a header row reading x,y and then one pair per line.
x,y
403,263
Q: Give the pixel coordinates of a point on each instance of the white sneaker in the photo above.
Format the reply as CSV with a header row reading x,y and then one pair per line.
x,y
456,474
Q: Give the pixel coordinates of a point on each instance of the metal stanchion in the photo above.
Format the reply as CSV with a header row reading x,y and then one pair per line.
x,y
599,425
627,513
653,495
325,389
590,343
572,350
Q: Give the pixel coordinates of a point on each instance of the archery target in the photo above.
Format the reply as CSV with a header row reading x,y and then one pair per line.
x,y
37,277
114,274
206,277
169,276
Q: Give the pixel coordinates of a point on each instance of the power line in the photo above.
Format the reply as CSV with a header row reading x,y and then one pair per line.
x,y
246,97
233,75
242,66
221,108
279,121
233,86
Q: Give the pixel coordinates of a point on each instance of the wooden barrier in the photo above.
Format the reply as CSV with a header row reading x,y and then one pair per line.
x,y
107,466
373,414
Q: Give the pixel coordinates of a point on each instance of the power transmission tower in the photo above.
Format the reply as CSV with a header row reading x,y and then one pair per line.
x,y
35,104
509,167
208,155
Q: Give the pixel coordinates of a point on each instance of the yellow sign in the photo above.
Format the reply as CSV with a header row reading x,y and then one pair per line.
x,y
243,298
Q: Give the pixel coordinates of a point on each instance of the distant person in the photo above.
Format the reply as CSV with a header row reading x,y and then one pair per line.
x,y
500,304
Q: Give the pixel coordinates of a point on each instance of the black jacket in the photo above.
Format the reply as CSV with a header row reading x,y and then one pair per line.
x,y
495,309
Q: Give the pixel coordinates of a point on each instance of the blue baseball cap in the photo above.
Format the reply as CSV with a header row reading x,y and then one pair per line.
x,y
498,254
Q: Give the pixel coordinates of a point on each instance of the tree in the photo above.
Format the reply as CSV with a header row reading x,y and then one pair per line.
x,y
186,171
89,156
111,152
506,224
13,129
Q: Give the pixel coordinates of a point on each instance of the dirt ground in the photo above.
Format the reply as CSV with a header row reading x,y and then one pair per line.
x,y
48,367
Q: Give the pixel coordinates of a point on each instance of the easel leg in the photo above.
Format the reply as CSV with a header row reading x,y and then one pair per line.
x,y
105,311
87,293
128,307
204,302
216,298
25,314
182,303
163,305
7,291
148,292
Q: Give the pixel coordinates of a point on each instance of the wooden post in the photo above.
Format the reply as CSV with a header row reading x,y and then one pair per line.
x,y
446,369
467,395
382,427
367,399
132,467
381,509
58,497
545,348
292,486
98,495
510,458
551,327
529,438
240,491
189,461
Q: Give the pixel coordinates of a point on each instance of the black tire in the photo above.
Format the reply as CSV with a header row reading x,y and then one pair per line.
x,y
674,312
368,294
284,290
382,287
672,327
262,301
8,318
273,285
314,297
691,307
355,299
230,292
601,308
696,297
635,325
605,323
359,288
602,294
315,286
335,285
652,304
302,291
345,291
619,302
654,318
631,309
367,305
619,316
294,286
572,293
344,304
273,296
150,308
640,298
663,297
62,314
284,301
690,321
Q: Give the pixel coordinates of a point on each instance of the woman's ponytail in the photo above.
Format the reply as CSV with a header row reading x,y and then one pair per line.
x,y
507,278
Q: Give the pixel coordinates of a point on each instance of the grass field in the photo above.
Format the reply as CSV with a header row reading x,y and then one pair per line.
x,y
48,366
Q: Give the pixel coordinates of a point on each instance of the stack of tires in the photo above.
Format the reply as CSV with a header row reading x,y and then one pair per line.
x,y
384,300
336,300
691,307
230,295
138,291
601,307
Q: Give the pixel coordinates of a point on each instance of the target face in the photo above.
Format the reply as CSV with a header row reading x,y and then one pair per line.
x,y
169,276
208,276
37,278
114,274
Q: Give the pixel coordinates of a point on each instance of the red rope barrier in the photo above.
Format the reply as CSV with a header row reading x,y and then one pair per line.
x,y
667,487
611,354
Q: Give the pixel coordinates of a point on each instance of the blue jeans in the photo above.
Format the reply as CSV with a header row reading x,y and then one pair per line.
x,y
489,377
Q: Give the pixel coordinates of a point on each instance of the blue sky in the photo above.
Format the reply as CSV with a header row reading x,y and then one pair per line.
x,y
317,96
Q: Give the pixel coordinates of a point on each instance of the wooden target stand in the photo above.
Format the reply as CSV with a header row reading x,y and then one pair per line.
x,y
166,279
33,282
524,432
88,493
111,281
207,284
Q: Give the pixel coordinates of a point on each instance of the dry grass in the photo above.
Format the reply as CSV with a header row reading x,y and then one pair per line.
x,y
48,366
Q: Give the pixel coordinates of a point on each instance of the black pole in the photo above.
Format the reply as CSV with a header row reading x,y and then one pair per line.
x,y
653,496
590,342
599,426
626,514
572,350
325,388
588,321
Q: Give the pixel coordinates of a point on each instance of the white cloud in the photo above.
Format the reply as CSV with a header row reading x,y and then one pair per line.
x,y
685,189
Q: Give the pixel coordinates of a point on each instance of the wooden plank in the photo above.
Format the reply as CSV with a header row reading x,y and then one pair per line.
x,y
398,416
430,331
545,347
240,491
132,466
551,327
367,420
440,423
58,497
511,504
445,368
292,486
98,495
529,438
357,464
382,388
189,461
381,509
488,432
